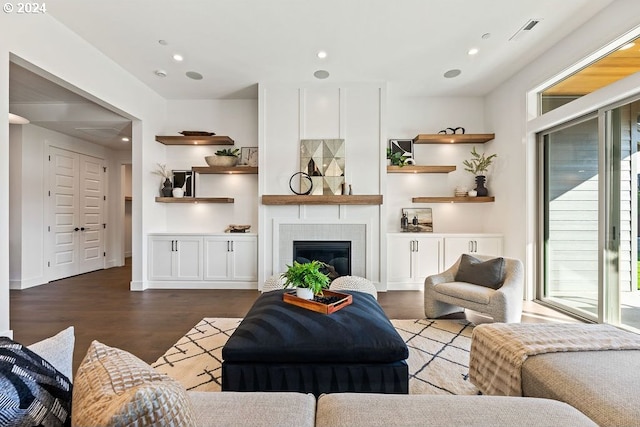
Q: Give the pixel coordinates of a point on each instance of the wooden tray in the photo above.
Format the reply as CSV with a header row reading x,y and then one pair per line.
x,y
346,299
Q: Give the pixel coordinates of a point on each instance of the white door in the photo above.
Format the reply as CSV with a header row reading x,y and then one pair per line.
x,y
426,260
188,258
478,245
63,213
161,250
399,259
217,251
75,233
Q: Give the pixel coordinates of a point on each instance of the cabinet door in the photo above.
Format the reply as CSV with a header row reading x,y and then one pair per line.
x,y
217,251
188,258
427,258
399,263
245,258
161,249
479,245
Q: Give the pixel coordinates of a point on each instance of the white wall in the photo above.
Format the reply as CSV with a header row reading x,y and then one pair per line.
x,y
515,213
237,119
410,116
126,193
70,60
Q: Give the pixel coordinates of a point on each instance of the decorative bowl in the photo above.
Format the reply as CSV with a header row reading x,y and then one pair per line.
x,y
221,160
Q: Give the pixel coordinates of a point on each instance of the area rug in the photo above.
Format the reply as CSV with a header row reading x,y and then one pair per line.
x,y
438,355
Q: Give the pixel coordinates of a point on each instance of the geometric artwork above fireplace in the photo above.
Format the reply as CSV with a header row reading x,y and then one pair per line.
x,y
323,160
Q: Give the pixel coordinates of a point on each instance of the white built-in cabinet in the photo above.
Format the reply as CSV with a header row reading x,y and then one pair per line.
x,y
411,257
231,257
203,261
471,244
175,257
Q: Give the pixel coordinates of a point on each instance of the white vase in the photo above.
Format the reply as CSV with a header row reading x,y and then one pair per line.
x,y
304,293
178,192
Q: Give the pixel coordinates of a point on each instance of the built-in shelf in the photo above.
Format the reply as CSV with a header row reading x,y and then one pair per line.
x,y
194,199
420,169
225,169
276,199
195,140
453,199
471,138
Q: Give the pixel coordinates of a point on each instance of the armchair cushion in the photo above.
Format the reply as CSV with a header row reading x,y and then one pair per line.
x,y
488,273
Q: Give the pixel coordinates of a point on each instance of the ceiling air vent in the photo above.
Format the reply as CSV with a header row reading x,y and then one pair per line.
x,y
528,26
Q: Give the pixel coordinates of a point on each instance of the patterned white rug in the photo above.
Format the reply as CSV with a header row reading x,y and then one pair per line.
x,y
438,355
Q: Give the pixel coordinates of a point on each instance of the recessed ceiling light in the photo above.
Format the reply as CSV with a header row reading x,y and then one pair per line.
x,y
15,119
178,57
321,74
194,75
161,73
486,36
163,42
473,51
627,46
452,73
125,139
322,54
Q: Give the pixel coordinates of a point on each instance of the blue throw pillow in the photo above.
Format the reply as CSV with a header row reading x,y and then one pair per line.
x,y
32,391
483,273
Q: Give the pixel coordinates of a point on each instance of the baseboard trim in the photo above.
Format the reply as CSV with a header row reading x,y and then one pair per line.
x,y
405,286
18,285
137,285
202,285
8,334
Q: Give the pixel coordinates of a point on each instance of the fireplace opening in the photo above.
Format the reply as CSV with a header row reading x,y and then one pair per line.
x,y
335,253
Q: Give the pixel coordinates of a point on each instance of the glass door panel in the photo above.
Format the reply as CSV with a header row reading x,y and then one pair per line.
x,y
571,182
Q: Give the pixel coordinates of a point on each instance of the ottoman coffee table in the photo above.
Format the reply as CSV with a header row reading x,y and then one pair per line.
x,y
283,347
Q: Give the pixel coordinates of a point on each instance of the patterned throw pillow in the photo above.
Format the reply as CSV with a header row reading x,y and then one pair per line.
x,y
32,391
115,388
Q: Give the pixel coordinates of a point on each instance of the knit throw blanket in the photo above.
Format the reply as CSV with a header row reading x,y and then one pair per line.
x,y
498,350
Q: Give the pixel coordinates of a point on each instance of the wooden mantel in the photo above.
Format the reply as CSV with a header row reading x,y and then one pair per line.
x,y
277,199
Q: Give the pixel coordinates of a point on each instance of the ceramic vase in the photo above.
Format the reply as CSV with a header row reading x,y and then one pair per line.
x,y
304,293
167,188
481,190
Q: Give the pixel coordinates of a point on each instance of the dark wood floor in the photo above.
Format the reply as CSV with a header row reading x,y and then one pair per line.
x,y
100,307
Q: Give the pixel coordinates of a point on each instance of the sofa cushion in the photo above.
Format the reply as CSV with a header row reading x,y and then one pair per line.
x,y
488,273
377,410
113,387
465,291
58,350
229,409
32,391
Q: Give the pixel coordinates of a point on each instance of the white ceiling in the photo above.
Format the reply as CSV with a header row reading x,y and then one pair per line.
x,y
235,44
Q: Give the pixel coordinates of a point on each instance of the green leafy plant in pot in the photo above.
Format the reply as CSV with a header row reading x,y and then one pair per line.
x,y
478,165
306,278
396,159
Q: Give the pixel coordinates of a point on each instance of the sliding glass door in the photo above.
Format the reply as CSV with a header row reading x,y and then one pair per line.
x,y
589,210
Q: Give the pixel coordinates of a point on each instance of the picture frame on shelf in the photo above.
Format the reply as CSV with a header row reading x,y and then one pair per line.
x,y
248,156
424,218
402,146
180,177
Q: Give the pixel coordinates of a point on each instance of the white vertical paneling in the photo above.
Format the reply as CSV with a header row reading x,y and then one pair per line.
x,y
321,111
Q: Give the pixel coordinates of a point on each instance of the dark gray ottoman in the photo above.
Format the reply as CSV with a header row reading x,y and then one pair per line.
x,y
282,347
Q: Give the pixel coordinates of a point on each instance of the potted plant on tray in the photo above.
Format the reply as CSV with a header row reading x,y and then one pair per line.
x,y
478,165
225,157
306,278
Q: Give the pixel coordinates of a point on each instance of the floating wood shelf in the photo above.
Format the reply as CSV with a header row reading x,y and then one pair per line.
x,y
420,169
453,199
374,199
195,140
471,138
225,169
194,199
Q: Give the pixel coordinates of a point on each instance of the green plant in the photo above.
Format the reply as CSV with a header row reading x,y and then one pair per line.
x,y
307,275
478,164
228,152
397,159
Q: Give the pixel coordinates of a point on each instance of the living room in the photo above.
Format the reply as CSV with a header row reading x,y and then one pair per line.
x,y
278,113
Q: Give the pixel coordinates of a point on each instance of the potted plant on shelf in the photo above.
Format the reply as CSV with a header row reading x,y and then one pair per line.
x,y
395,158
225,157
306,278
478,165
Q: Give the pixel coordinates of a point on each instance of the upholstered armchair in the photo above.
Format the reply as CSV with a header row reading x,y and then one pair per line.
x,y
444,295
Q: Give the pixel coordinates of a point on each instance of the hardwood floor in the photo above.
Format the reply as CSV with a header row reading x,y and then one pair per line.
x,y
100,307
